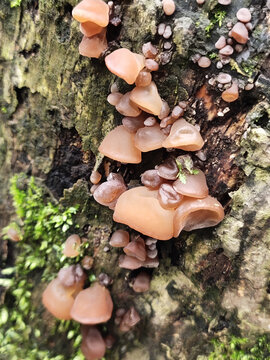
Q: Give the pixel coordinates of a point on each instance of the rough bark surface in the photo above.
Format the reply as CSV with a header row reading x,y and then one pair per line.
x,y
54,114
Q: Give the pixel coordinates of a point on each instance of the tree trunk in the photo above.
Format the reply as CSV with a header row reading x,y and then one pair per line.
x,y
54,114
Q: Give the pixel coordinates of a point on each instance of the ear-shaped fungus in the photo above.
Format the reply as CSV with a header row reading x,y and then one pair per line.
x,y
127,107
93,346
149,138
72,245
130,319
168,197
108,192
140,209
168,170
92,305
120,238
59,295
197,214
184,136
119,144
93,46
125,64
147,98
129,262
231,94
151,179
239,33
195,185
90,29
136,248
133,124
141,282
95,11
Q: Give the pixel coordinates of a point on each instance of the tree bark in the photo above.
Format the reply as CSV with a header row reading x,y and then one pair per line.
x,y
54,115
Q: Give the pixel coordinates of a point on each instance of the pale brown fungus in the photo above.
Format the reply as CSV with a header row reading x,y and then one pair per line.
x,y
240,33
141,282
147,98
93,346
95,11
72,245
120,238
194,186
149,138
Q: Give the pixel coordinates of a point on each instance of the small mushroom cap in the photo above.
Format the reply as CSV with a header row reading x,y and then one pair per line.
x,y
130,319
243,15
136,248
149,138
119,145
168,197
231,94
120,238
96,11
93,346
195,185
58,299
125,64
13,235
204,62
72,277
147,98
72,245
151,179
168,6
142,282
129,262
168,170
139,208
197,214
90,29
127,107
92,305
239,33
220,43
93,46
110,190
95,177
132,124
184,136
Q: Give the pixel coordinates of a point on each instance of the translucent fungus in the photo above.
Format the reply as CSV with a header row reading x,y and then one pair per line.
x,y
239,33
92,305
177,112
150,121
114,98
93,346
109,191
90,29
129,262
95,11
127,107
119,145
231,94
243,15
139,208
227,50
168,6
204,62
141,282
149,50
194,186
194,214
72,245
168,197
151,179
133,124
200,2
125,64
143,79
224,2
95,177
120,238
136,248
13,235
147,98
72,276
223,78
151,65
93,46
130,319
168,170
165,110
149,138
184,136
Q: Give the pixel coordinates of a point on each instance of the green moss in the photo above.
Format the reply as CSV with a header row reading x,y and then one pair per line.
x,y
15,3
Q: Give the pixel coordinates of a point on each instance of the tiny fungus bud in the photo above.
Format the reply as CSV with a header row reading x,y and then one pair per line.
x,y
109,191
224,78
243,15
177,112
133,124
204,62
151,65
130,319
72,245
224,2
129,262
136,248
127,107
165,110
168,6
114,98
143,79
149,51
227,50
150,121
168,170
120,238
168,197
95,177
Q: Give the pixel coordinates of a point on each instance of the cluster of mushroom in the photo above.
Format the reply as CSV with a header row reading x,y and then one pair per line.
x,y
138,253
238,37
65,298
93,17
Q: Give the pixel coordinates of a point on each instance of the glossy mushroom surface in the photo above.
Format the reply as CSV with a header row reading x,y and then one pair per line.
x,y
149,138
126,107
197,214
72,245
93,346
95,11
120,238
195,185
93,46
147,98
136,248
109,191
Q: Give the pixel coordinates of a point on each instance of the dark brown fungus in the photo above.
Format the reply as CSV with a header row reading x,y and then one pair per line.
x,y
93,346
151,179
129,320
129,262
168,197
141,282
168,170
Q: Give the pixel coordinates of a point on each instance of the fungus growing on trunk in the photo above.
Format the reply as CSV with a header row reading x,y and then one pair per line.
x,y
130,319
194,214
132,124
168,197
184,136
194,185
168,7
149,138
127,107
72,245
125,64
151,179
168,170
90,29
129,262
231,94
95,11
120,238
136,248
140,209
93,46
93,346
92,305
58,297
239,33
141,282
119,145
147,98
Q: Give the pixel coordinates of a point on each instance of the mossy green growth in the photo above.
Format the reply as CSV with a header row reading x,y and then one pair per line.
x,y
15,3
236,348
217,18
26,331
